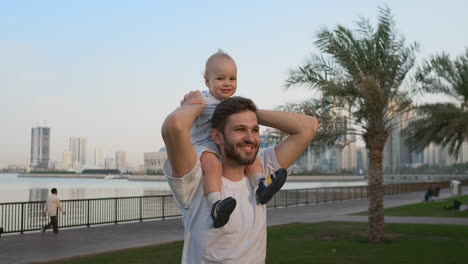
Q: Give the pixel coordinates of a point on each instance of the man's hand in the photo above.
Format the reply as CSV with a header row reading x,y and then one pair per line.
x,y
193,98
44,214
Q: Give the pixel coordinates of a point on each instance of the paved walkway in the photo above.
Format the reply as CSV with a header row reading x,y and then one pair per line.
x,y
34,247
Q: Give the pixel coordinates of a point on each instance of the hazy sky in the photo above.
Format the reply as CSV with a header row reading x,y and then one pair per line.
x,y
112,70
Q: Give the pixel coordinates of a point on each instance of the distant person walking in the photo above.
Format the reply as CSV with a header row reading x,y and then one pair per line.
x,y
51,207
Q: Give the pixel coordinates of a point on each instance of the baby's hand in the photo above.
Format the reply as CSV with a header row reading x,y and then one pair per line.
x,y
193,98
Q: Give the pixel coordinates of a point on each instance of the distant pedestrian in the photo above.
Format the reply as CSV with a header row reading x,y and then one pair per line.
x,y
51,207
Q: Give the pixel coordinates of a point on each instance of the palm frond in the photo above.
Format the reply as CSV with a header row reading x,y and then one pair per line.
x,y
321,109
362,70
441,75
444,124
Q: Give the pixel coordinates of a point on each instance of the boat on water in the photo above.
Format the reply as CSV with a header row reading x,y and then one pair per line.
x,y
111,176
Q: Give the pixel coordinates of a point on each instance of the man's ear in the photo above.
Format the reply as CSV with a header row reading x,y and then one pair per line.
x,y
217,136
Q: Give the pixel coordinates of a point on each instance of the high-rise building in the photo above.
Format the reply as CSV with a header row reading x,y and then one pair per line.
x,y
109,163
342,155
463,154
397,153
40,147
362,160
348,157
121,160
78,150
99,158
67,160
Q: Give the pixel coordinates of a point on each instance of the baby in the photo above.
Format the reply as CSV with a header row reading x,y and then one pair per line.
x,y
221,79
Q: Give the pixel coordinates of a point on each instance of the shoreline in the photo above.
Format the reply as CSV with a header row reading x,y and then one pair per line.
x,y
291,178
388,178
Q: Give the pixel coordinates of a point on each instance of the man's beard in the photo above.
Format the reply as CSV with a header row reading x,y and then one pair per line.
x,y
232,153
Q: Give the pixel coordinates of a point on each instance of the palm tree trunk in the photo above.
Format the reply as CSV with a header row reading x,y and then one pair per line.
x,y
375,145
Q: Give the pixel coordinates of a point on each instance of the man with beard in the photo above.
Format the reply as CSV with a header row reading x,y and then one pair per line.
x,y
235,129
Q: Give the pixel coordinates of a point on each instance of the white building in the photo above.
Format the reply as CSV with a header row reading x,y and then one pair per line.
x,y
78,150
362,159
109,163
154,161
66,160
99,158
463,154
349,157
121,160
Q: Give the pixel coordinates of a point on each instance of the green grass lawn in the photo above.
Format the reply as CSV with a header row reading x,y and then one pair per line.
x,y
329,242
431,209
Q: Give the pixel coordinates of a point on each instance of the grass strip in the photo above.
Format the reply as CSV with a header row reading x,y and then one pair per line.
x,y
427,209
327,242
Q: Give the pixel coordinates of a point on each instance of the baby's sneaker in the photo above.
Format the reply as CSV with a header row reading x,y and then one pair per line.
x,y
221,211
265,193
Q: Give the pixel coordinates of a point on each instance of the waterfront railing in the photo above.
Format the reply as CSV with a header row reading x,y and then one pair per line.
x,y
20,217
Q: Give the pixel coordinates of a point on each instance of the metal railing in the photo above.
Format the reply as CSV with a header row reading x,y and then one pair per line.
x,y
21,217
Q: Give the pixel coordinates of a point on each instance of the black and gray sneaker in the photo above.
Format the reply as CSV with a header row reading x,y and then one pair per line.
x,y
265,193
221,211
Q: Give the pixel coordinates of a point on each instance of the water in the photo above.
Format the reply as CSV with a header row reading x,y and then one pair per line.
x,y
20,189
23,189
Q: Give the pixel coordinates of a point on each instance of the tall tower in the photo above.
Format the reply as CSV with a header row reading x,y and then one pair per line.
x,y
40,147
78,150
99,158
67,160
121,160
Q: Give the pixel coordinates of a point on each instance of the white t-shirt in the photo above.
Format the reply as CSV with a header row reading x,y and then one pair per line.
x,y
53,202
201,128
242,239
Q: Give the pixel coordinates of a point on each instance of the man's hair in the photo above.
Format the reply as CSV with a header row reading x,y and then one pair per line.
x,y
54,190
230,106
219,54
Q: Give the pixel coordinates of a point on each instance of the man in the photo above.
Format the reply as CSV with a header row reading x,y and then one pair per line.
x,y
52,204
235,129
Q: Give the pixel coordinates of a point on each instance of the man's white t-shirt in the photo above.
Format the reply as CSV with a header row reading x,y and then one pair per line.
x,y
242,239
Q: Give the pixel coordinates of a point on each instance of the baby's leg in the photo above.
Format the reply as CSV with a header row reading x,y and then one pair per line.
x,y
212,169
255,173
220,209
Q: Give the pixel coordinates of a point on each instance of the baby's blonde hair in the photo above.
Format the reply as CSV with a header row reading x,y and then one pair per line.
x,y
211,59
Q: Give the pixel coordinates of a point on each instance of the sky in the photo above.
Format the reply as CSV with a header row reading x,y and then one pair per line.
x,y
111,71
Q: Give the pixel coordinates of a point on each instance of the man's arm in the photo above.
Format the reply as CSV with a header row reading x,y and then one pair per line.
x,y
300,128
59,206
44,213
176,134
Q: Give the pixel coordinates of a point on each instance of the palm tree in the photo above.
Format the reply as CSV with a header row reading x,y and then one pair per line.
x,y
442,123
360,72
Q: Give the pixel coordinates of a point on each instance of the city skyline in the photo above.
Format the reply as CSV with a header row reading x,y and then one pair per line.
x,y
75,157
111,71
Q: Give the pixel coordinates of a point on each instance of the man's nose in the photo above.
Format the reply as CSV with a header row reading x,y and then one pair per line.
x,y
249,135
